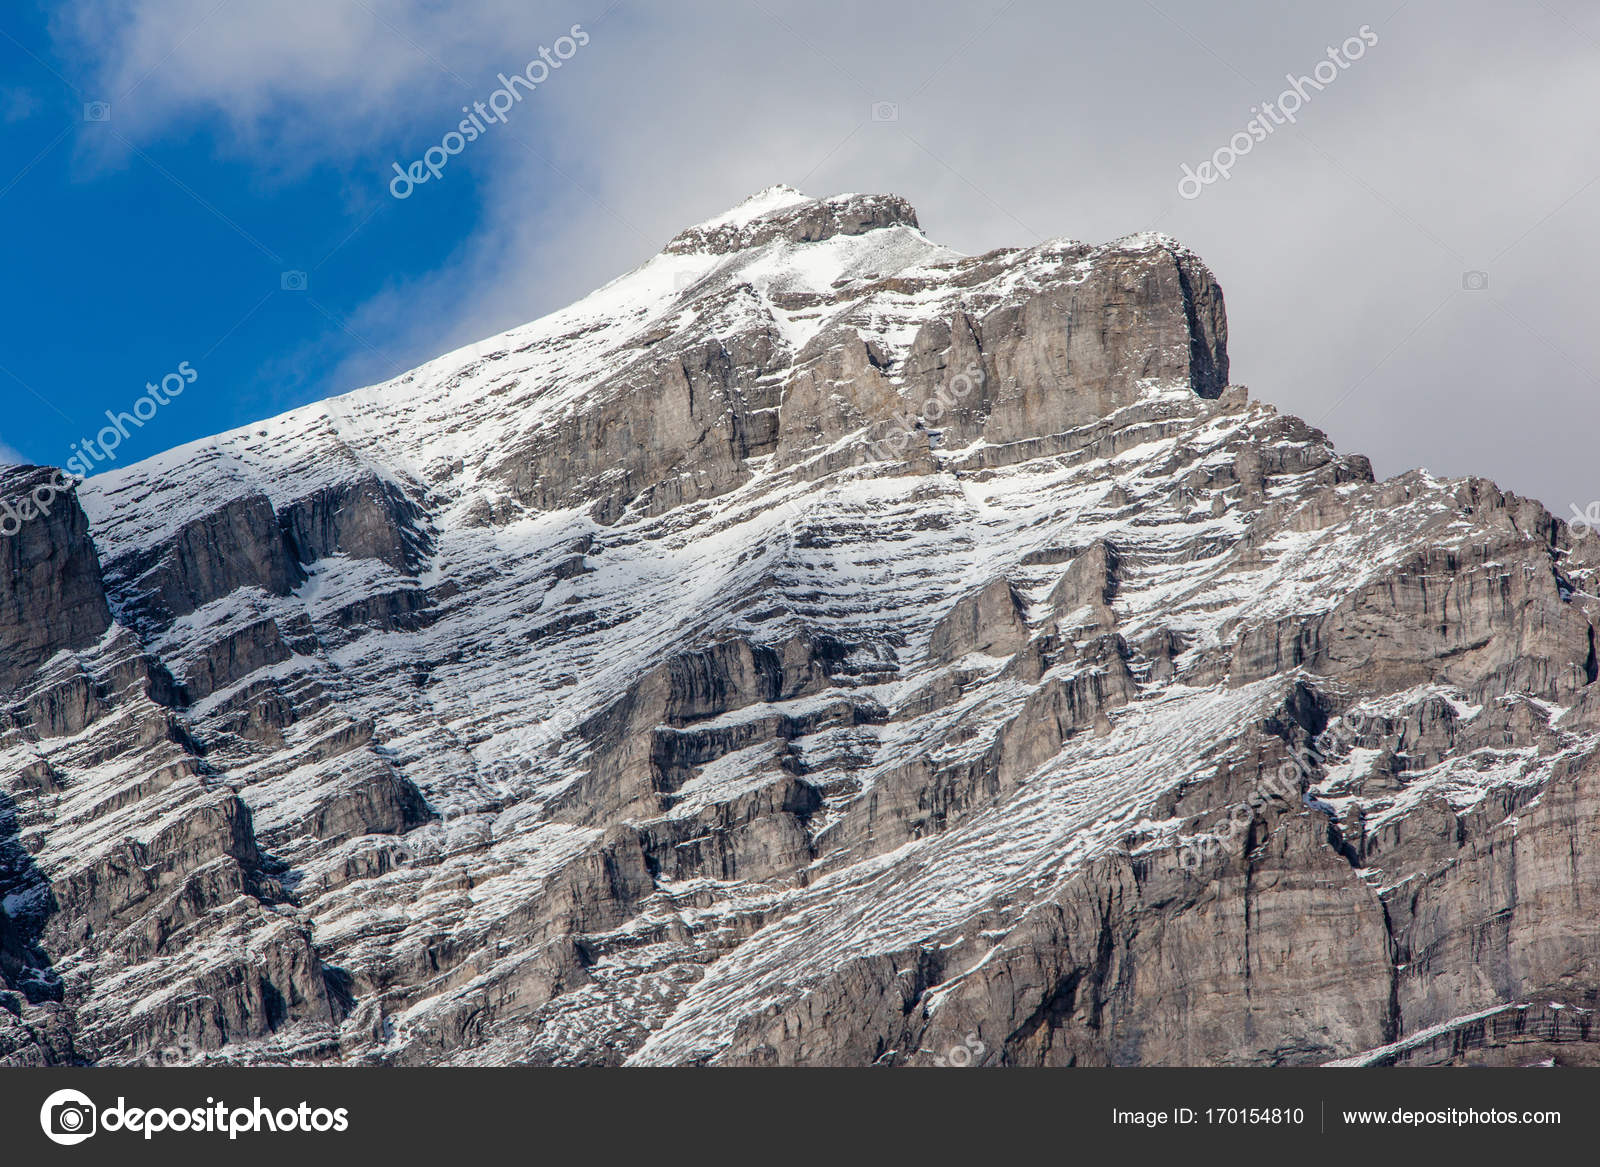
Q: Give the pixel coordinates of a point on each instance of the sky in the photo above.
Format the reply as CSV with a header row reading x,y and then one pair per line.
x,y
1409,264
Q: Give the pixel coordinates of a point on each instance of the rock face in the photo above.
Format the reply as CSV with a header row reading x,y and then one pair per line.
x,y
51,596
814,647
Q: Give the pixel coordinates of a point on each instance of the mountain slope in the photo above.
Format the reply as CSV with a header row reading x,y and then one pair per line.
x,y
813,647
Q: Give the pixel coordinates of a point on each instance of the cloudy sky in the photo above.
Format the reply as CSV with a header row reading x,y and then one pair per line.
x,y
1411,264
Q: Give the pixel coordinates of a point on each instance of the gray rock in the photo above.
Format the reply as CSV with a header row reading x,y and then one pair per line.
x,y
816,648
51,596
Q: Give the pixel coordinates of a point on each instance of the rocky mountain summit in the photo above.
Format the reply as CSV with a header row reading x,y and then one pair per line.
x,y
814,647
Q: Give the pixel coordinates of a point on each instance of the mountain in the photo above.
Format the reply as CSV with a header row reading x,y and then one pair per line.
x,y
813,647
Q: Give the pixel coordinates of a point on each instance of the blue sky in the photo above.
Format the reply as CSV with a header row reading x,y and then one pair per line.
x,y
246,139
130,251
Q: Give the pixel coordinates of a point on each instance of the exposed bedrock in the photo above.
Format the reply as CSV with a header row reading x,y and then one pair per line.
x,y
51,596
816,647
365,518
673,425
1492,619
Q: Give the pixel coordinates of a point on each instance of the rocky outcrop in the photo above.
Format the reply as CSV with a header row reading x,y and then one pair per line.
x,y
648,745
51,596
239,545
783,214
992,620
364,518
1089,584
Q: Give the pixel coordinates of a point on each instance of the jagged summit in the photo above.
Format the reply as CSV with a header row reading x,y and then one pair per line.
x,y
781,212
814,646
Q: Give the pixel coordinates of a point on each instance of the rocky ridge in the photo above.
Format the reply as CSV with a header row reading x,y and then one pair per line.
x,y
814,647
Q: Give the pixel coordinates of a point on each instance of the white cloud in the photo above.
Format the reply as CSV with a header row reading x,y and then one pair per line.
x,y
303,73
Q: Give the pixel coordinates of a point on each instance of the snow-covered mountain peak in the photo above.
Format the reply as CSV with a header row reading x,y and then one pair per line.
x,y
812,646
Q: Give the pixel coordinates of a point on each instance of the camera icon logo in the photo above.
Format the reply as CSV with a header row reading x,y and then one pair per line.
x,y
1474,281
885,111
68,1117
97,111
294,281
